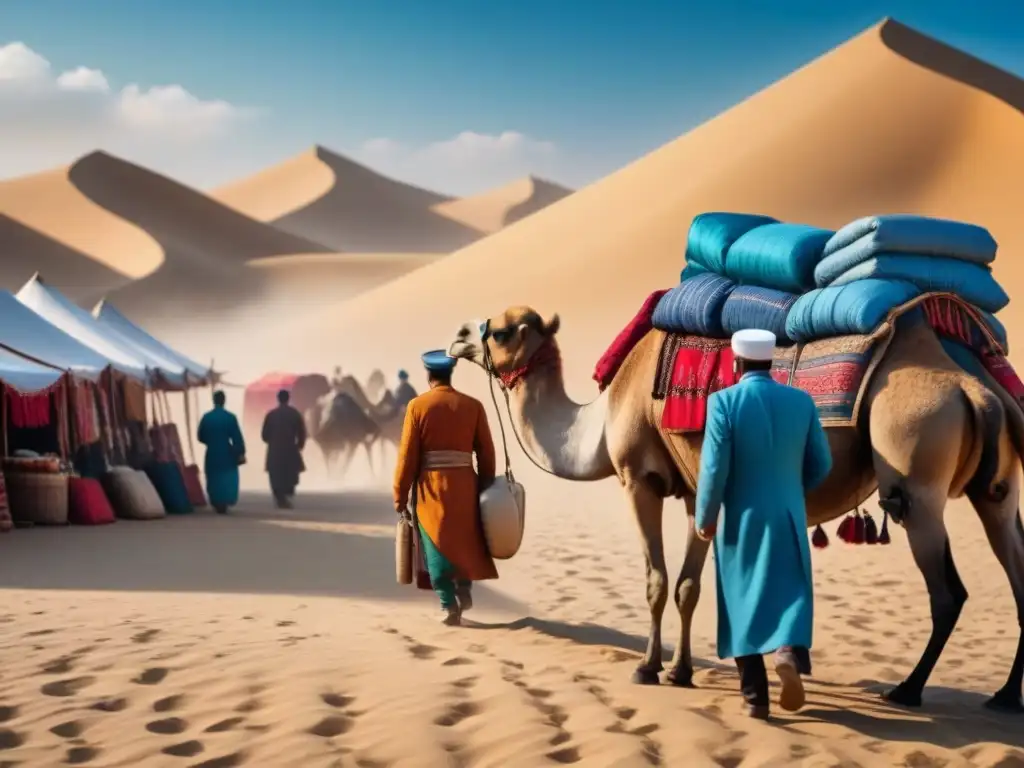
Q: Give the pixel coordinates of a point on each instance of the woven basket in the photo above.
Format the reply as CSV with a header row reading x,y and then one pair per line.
x,y
37,498
133,496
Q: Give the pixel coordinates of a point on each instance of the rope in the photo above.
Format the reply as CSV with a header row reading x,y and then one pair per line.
x,y
492,374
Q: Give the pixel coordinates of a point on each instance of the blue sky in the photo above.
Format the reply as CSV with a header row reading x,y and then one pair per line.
x,y
591,84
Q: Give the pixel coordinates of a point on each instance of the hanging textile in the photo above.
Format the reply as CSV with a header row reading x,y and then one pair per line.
x,y
29,411
134,395
86,427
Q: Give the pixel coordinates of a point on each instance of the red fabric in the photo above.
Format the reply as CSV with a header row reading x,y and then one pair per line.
x,y
194,486
31,410
88,503
85,413
628,338
701,367
546,356
1001,370
819,538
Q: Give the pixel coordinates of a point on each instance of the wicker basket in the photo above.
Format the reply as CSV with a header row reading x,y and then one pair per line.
x,y
41,499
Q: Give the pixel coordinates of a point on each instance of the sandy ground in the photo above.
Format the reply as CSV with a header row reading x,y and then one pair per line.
x,y
280,639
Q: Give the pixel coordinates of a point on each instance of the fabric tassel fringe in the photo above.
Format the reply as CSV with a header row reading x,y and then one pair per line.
x,y
819,538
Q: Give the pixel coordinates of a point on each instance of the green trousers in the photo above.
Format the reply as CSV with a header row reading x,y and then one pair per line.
x,y
441,573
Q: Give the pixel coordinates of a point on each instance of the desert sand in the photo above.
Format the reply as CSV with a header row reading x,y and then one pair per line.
x,y
498,208
269,638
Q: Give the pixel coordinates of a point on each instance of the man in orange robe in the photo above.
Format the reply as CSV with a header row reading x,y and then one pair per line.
x,y
443,429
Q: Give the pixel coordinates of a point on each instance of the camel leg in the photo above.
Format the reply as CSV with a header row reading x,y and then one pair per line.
x,y
369,457
647,508
1006,536
929,543
350,452
680,673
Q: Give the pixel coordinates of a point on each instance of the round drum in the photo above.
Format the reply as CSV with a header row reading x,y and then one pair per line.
x,y
503,514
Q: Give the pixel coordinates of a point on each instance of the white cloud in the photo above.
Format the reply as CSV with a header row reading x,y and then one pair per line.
x,y
83,79
19,63
467,163
48,119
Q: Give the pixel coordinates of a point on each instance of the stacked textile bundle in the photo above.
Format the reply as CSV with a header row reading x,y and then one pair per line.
x,y
879,262
805,283
742,271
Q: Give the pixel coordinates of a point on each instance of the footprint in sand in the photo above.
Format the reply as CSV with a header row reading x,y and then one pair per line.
x,y
456,713
224,725
110,705
8,712
67,687
41,632
145,636
72,729
151,676
232,760
458,661
81,755
331,726
169,704
286,623
185,749
565,756
422,652
10,739
59,666
168,726
465,683
336,700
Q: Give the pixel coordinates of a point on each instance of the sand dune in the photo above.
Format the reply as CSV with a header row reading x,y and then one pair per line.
x,y
892,121
335,201
498,208
104,225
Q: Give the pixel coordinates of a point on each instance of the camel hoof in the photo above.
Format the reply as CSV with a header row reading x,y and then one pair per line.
x,y
1006,701
643,676
680,678
903,697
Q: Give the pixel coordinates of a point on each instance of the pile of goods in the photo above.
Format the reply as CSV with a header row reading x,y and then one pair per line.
x,y
132,494
37,489
804,283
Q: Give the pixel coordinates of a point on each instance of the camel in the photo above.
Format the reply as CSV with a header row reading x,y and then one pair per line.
x,y
386,413
927,432
338,425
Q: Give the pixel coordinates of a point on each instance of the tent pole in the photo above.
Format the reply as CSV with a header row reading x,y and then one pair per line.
x,y
188,426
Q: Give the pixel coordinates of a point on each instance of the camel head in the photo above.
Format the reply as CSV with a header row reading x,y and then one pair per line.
x,y
509,346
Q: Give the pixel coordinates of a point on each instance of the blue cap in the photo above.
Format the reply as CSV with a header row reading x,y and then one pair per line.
x,y
438,360
402,374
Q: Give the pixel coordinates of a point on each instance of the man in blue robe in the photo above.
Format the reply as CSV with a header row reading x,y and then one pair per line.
x,y
764,449
225,450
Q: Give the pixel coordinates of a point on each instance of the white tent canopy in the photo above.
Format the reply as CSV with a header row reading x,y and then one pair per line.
x,y
24,375
25,332
111,317
54,307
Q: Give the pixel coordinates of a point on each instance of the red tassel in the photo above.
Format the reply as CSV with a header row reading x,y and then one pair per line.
x,y
870,529
845,530
883,536
858,529
819,538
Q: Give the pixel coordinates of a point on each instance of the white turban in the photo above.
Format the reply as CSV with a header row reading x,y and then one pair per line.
x,y
753,344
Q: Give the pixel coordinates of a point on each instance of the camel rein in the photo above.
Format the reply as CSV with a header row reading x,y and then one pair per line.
x,y
492,375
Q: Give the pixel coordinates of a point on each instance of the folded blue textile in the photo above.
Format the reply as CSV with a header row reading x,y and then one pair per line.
x,y
780,256
751,306
712,233
694,306
854,308
903,234
691,270
971,282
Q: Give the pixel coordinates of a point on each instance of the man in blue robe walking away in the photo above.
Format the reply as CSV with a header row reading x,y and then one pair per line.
x,y
764,449
225,451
